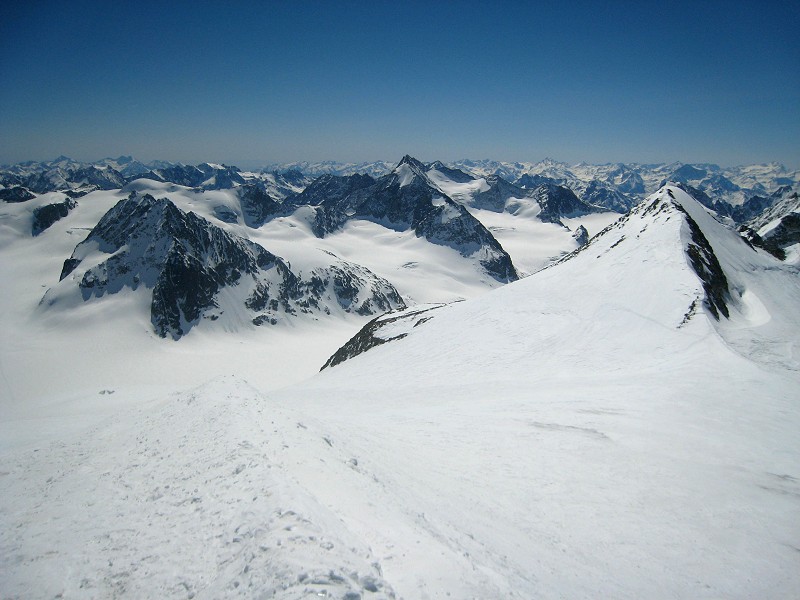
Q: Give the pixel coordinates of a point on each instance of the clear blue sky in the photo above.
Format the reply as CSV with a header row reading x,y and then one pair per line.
x,y
276,81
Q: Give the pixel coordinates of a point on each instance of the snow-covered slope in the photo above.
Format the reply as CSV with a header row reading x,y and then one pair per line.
x,y
595,405
589,431
191,495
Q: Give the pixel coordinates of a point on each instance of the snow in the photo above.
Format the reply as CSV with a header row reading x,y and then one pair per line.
x,y
405,174
222,519
531,243
793,254
572,434
422,272
461,192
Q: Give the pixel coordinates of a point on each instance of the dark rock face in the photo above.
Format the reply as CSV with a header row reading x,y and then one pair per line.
x,y
45,216
83,179
220,179
556,201
367,338
750,211
706,265
626,180
48,181
405,199
183,258
329,190
756,241
349,282
529,181
786,202
70,176
709,178
756,206
15,194
786,233
417,205
752,207
581,236
10,179
497,195
203,175
456,175
225,214
704,198
186,261
688,172
257,205
559,202
189,176
292,177
101,179
600,194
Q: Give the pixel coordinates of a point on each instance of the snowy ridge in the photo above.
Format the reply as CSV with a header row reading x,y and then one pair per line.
x,y
660,226
598,391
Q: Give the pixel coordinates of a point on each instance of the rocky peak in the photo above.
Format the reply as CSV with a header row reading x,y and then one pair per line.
x,y
186,261
456,175
599,193
558,202
581,236
330,189
407,172
412,162
256,204
534,180
497,195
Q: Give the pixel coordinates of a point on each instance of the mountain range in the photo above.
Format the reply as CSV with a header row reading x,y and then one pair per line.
x,y
201,245
468,379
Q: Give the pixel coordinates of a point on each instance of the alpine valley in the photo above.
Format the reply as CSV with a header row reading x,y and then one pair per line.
x,y
475,379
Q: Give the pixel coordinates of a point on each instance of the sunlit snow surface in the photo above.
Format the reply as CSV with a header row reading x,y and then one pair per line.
x,y
582,433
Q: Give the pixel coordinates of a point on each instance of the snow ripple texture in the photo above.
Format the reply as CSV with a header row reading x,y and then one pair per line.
x,y
193,500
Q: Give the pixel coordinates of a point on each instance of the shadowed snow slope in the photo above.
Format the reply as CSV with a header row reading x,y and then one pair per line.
x,y
589,431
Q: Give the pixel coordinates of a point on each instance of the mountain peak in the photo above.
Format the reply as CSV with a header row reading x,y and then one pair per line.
x,y
411,162
408,170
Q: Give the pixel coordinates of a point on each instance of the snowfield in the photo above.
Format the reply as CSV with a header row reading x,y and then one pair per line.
x,y
590,431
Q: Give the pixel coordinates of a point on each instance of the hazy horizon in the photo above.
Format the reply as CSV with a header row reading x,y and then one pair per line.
x,y
255,164
273,83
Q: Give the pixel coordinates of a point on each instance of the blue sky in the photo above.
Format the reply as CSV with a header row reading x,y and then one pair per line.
x,y
267,82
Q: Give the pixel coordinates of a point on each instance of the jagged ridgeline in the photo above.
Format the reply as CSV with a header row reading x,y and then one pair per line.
x,y
184,236
186,262
405,199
